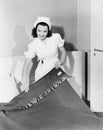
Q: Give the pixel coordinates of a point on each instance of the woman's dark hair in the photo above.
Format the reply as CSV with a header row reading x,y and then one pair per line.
x,y
34,30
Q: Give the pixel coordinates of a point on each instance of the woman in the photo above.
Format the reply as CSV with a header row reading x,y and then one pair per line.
x,y
45,46
51,103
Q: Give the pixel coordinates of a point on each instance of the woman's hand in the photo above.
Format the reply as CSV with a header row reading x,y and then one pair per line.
x,y
25,86
58,64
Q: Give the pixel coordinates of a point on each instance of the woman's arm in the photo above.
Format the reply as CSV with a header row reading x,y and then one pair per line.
x,y
25,73
63,54
62,58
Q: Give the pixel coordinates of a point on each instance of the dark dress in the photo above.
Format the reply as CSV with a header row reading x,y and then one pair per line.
x,y
50,104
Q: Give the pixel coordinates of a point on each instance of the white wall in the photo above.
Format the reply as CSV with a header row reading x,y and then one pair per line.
x,y
96,24
83,24
89,24
96,57
90,37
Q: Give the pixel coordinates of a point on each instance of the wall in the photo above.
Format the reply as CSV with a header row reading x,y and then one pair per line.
x,y
17,17
96,57
90,37
89,24
96,24
83,24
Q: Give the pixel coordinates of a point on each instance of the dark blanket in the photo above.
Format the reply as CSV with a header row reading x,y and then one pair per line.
x,y
50,104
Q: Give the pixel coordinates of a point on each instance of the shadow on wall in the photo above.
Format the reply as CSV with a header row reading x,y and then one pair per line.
x,y
58,29
21,39
67,45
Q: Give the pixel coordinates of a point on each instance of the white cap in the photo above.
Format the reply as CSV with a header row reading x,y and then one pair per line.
x,y
43,19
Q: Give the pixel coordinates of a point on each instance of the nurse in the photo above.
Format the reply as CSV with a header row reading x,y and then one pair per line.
x,y
45,46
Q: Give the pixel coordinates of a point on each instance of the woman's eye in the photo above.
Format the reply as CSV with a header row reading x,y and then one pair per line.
x,y
38,30
45,31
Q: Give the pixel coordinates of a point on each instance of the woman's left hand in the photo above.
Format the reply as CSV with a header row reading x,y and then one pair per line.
x,y
25,86
58,64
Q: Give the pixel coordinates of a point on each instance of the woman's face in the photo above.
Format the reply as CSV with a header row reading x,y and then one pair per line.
x,y
42,32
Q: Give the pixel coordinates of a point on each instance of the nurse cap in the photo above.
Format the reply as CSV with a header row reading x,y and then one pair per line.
x,y
43,19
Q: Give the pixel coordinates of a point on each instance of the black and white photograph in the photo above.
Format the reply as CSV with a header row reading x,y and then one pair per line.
x,y
51,69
